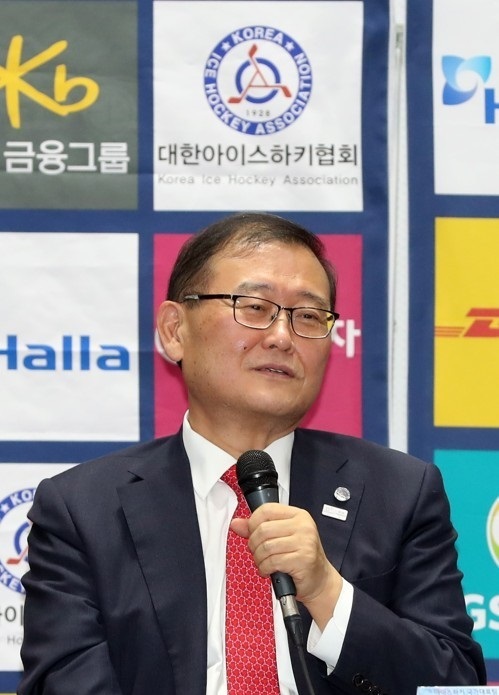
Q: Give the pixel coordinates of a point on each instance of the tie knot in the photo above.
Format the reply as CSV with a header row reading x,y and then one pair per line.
x,y
230,477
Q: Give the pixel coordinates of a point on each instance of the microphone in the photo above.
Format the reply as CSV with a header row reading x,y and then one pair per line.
x,y
257,478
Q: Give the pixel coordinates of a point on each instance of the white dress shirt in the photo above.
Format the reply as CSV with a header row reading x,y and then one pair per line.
x,y
215,505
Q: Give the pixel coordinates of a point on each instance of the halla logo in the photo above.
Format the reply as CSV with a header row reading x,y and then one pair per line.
x,y
484,324
74,353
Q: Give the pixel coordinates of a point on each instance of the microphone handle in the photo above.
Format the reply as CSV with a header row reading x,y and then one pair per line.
x,y
282,583
284,586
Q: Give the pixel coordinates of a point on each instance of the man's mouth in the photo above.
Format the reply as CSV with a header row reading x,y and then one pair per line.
x,y
275,370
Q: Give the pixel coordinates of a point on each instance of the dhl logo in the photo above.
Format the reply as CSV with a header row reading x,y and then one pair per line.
x,y
13,80
484,324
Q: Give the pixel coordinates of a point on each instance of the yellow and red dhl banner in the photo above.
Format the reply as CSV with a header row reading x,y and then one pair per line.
x,y
466,323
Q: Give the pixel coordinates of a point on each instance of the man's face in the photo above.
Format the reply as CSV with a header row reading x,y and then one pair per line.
x,y
232,369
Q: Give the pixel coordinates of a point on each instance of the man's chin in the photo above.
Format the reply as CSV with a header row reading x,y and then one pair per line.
x,y
287,414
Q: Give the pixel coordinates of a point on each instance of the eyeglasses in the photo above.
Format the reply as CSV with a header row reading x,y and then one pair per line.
x,y
255,312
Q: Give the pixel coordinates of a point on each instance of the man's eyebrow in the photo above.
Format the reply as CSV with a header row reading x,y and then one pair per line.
x,y
307,295
254,286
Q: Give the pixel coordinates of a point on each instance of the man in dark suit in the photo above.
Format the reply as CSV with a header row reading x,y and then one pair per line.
x,y
126,589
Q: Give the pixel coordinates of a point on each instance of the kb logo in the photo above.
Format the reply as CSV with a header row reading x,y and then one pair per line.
x,y
463,76
14,80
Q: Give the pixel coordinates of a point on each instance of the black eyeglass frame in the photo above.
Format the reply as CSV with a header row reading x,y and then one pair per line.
x,y
289,310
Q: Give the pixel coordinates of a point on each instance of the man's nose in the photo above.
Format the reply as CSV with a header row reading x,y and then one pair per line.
x,y
281,326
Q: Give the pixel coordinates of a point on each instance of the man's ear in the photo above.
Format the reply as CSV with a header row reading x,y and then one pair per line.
x,y
169,321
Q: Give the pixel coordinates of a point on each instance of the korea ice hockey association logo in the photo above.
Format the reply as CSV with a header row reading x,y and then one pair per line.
x,y
258,80
14,528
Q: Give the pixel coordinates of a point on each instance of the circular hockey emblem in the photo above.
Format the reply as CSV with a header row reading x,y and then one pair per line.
x,y
14,528
258,80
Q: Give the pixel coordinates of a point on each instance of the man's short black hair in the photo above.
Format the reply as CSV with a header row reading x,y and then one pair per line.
x,y
244,230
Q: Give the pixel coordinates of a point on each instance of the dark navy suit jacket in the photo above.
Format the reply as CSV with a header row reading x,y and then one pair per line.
x,y
116,596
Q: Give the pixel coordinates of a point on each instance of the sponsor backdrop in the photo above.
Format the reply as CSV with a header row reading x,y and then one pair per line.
x,y
125,127
453,77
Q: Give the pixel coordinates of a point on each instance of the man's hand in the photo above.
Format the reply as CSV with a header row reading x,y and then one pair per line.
x,y
285,539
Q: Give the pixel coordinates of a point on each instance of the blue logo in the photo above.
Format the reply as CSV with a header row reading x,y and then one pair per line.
x,y
73,353
463,76
14,527
258,80
457,70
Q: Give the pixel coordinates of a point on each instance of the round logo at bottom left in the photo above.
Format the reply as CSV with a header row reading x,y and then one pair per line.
x,y
14,529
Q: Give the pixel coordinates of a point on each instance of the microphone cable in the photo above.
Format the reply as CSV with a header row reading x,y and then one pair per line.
x,y
294,627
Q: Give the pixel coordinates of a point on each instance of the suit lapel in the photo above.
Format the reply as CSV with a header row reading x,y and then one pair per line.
x,y
160,511
318,469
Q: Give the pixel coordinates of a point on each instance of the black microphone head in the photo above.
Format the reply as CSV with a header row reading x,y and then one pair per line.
x,y
255,470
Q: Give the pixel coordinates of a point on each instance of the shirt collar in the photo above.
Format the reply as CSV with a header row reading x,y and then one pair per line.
x,y
208,462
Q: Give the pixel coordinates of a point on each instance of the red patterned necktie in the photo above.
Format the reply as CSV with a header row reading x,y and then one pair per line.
x,y
249,621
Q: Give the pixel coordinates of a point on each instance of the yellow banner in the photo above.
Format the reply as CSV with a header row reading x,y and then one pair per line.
x,y
467,323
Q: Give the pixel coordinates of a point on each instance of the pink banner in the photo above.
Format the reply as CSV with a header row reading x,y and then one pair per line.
x,y
339,406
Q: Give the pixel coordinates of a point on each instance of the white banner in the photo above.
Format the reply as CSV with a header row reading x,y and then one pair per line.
x,y
17,488
257,105
69,337
465,97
